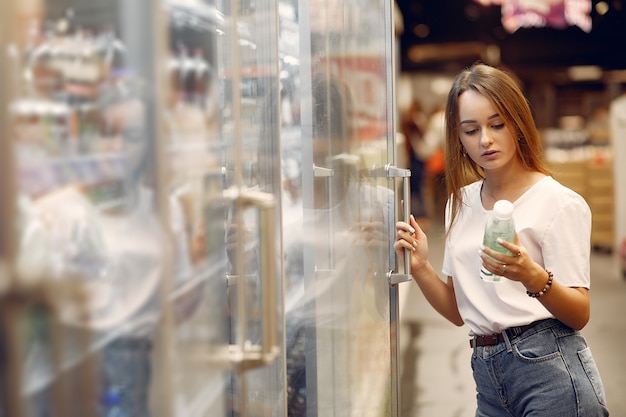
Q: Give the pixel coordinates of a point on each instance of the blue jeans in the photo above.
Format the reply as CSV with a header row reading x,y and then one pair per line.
x,y
547,371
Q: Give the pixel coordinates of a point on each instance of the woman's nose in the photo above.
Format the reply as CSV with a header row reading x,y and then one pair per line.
x,y
485,138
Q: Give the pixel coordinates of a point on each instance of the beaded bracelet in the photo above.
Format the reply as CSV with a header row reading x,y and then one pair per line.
x,y
544,289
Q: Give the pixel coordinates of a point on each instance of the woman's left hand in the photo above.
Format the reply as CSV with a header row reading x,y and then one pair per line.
x,y
517,267
568,304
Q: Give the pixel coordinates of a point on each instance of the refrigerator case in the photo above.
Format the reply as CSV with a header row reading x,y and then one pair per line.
x,y
341,300
166,143
126,286
91,246
221,135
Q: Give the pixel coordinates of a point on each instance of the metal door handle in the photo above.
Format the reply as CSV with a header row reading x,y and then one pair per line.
x,y
247,355
323,172
393,172
335,161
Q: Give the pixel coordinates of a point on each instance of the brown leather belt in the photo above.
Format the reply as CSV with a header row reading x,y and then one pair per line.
x,y
496,338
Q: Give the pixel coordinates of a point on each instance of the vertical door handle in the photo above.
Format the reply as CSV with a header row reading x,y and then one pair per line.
x,y
328,173
393,172
247,355
335,161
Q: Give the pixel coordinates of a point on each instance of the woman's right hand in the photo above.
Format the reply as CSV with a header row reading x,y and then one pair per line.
x,y
412,237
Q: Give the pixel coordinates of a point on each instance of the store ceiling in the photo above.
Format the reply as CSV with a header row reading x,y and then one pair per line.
x,y
448,35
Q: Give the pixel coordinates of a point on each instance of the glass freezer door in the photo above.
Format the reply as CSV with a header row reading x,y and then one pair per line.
x,y
223,170
339,207
141,191
83,298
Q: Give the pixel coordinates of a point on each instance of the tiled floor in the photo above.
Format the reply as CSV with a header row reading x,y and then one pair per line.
x,y
436,378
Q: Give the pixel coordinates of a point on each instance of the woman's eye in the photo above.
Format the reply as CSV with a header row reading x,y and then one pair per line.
x,y
498,126
471,132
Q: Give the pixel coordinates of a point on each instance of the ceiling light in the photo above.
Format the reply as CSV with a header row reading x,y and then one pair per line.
x,y
584,72
421,30
602,8
441,85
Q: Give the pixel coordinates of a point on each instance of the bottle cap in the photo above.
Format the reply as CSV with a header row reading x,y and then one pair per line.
x,y
503,209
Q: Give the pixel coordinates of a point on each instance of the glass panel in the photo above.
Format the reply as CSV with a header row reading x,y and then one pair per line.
x,y
148,169
93,252
122,195
195,181
252,82
224,171
338,220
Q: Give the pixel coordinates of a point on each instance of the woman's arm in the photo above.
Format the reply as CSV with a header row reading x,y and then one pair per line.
x,y
568,304
438,293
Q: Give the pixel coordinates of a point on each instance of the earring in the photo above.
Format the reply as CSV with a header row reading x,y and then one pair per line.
x,y
464,152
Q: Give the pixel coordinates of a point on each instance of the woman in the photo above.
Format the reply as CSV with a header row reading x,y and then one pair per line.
x,y
528,356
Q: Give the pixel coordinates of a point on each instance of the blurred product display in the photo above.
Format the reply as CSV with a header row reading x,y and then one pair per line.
x,y
182,179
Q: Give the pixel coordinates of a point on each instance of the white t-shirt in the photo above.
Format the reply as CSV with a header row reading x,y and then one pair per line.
x,y
553,224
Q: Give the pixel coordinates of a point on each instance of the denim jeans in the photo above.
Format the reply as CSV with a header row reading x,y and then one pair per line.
x,y
547,371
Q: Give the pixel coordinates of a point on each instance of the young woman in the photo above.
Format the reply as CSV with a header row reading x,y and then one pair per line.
x,y
528,356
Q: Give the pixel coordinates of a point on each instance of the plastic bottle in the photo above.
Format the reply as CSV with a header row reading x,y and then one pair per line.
x,y
111,403
499,225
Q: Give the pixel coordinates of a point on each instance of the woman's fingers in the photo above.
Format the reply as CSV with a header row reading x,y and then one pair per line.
x,y
405,236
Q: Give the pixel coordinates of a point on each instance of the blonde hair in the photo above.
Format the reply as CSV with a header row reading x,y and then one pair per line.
x,y
511,104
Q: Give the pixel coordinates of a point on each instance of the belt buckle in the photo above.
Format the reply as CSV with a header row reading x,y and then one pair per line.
x,y
474,341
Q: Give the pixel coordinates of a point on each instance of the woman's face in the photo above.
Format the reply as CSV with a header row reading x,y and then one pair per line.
x,y
483,133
